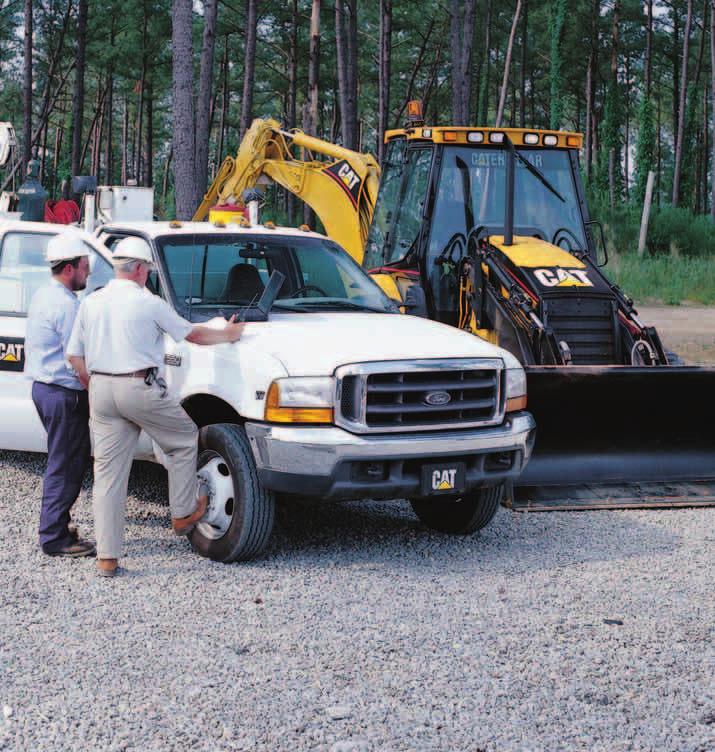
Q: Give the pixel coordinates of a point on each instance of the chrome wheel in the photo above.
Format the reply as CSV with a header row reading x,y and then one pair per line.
x,y
214,470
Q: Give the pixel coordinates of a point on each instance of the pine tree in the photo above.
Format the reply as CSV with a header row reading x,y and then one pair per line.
x,y
645,147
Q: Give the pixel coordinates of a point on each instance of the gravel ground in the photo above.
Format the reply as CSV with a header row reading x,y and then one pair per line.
x,y
360,630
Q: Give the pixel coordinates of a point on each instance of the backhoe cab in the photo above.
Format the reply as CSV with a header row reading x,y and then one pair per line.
x,y
493,226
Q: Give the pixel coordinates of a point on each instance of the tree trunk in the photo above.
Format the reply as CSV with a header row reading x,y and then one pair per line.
x,y
78,98
681,106
523,66
109,118
346,50
183,110
56,158
483,105
311,122
27,89
676,67
626,157
462,40
419,58
589,115
249,67
224,105
558,20
648,63
203,103
148,172
140,100
712,107
292,94
352,49
125,141
165,179
507,65
342,65
384,71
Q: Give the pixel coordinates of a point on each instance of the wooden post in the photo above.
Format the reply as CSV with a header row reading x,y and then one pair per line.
x,y
646,212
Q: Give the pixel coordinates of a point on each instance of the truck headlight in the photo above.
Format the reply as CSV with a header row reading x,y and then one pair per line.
x,y
304,399
515,386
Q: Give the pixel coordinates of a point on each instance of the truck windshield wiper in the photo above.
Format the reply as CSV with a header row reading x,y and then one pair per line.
x,y
536,172
345,304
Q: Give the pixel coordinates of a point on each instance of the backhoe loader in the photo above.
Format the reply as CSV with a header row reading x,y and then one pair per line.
x,y
488,230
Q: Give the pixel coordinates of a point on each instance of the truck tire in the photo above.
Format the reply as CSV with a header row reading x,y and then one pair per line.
x,y
460,516
240,517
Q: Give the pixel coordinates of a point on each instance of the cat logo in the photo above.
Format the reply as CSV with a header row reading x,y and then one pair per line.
x,y
563,277
444,480
344,175
348,176
12,354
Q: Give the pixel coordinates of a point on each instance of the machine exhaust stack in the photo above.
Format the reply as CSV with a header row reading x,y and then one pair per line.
x,y
509,197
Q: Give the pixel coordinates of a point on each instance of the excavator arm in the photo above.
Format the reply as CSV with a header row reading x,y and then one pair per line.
x,y
341,189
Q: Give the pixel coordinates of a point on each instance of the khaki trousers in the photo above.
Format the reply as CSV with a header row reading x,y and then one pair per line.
x,y
119,408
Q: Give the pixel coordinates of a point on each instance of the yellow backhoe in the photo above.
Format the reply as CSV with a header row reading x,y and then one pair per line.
x,y
488,230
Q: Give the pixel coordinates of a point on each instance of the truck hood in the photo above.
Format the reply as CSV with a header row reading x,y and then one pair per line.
x,y
315,344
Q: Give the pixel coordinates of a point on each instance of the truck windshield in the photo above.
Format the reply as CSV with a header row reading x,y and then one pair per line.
x,y
216,272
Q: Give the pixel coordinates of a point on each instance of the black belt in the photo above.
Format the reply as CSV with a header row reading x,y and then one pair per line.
x,y
138,374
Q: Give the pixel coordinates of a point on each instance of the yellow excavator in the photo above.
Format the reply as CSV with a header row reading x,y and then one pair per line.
x,y
487,229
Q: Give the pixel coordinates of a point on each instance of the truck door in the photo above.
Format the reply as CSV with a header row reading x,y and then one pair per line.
x,y
23,270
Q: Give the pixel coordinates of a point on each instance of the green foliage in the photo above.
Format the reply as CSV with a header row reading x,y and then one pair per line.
x,y
645,148
558,18
671,231
611,140
687,182
664,279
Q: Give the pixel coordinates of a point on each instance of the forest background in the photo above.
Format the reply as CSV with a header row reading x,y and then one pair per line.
x,y
159,91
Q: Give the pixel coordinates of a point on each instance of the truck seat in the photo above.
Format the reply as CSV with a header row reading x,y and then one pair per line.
x,y
242,284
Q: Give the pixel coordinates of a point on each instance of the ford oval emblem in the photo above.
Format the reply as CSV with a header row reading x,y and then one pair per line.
x,y
437,398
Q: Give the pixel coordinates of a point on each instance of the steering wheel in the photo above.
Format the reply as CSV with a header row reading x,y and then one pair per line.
x,y
305,288
556,240
475,235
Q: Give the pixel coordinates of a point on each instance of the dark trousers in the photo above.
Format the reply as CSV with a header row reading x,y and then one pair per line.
x,y
65,415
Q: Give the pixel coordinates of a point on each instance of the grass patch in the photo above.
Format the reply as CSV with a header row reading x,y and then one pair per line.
x,y
664,279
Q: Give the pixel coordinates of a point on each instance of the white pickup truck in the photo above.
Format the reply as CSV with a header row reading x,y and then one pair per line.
x,y
332,394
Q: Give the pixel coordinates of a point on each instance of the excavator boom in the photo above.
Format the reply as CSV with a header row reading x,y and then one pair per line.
x,y
341,189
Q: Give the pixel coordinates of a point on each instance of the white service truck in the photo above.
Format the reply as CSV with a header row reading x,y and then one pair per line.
x,y
331,393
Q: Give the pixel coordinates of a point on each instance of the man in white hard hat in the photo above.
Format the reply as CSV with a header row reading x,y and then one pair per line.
x,y
59,397
117,347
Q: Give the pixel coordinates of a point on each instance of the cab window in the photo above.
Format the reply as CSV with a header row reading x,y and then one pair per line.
x,y
23,270
153,284
398,214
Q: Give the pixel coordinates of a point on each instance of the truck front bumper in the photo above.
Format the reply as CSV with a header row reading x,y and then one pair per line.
x,y
331,463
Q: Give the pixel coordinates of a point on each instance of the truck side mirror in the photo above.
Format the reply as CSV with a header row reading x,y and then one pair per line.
x,y
597,241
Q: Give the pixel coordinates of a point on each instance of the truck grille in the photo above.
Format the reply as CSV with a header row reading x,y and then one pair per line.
x,y
420,395
588,324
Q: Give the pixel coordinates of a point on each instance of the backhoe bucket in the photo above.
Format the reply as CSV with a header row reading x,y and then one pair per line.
x,y
620,437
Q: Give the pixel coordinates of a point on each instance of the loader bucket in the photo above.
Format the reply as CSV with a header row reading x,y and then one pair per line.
x,y
619,437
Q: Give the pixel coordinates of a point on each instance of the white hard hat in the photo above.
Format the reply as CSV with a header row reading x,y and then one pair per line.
x,y
134,249
65,246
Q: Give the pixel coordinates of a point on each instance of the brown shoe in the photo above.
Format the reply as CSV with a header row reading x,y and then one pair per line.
x,y
108,567
184,525
73,550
